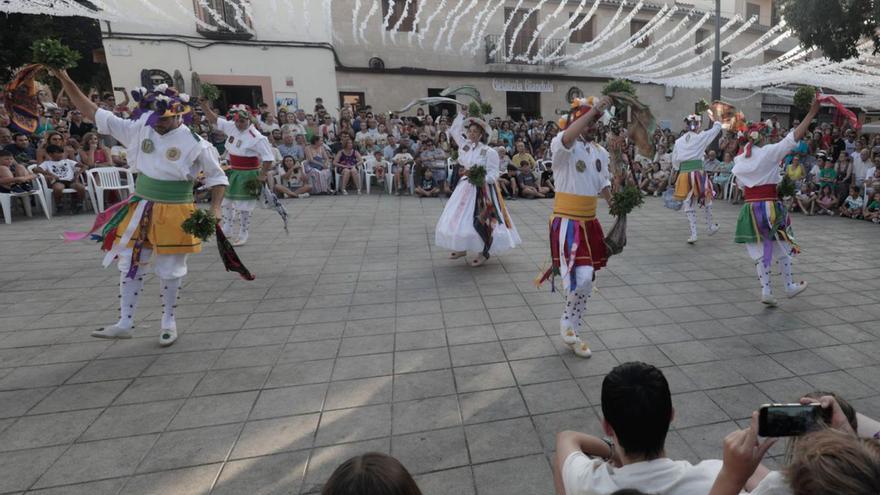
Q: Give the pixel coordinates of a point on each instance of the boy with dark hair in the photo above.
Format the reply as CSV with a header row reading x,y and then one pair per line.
x,y
14,178
637,410
61,174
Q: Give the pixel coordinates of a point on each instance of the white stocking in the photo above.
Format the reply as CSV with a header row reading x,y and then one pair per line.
x,y
170,287
784,262
129,293
576,301
764,277
709,222
228,217
245,224
692,221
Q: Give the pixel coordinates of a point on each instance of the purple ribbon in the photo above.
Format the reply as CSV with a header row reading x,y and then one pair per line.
x,y
764,229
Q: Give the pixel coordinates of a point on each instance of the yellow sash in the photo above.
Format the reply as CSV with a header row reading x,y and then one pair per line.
x,y
575,206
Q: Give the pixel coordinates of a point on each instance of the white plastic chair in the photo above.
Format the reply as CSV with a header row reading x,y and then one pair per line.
x,y
102,179
542,165
728,191
50,198
38,190
369,173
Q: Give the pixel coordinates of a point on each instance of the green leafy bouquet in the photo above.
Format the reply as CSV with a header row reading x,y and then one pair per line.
x,y
619,86
53,54
803,97
210,92
201,224
622,203
253,187
702,106
786,187
479,109
477,176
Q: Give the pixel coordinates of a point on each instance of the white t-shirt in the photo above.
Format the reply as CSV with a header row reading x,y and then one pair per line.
x,y
63,168
584,476
859,166
772,484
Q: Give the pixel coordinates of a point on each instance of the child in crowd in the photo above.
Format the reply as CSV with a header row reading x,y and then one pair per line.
x,y
528,184
872,208
290,180
507,181
401,169
852,205
427,188
13,178
62,174
806,199
827,200
380,166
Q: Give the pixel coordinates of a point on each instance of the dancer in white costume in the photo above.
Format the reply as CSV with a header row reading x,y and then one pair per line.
x,y
692,185
475,219
247,150
577,243
764,225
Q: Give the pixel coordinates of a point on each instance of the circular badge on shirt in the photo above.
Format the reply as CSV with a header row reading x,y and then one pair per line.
x,y
172,154
238,144
580,166
147,145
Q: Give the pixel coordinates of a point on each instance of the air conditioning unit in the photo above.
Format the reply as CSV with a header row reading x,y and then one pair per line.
x,y
669,92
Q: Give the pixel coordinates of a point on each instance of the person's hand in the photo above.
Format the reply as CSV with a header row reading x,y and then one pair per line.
x,y
711,115
262,178
838,419
604,104
814,108
743,453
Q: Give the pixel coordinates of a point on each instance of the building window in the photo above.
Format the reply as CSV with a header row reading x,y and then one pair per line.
x,y
353,98
409,22
753,9
635,27
700,35
225,15
584,34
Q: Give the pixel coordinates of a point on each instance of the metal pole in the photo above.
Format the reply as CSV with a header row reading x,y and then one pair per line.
x,y
716,64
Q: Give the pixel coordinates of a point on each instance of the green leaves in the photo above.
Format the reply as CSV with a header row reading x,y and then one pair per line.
x,y
834,26
625,201
803,97
53,54
201,224
210,92
477,176
619,86
253,186
786,187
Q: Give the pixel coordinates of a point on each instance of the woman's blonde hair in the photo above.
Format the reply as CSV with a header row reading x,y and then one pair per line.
x,y
830,462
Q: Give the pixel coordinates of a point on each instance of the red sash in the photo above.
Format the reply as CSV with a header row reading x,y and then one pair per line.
x,y
244,162
764,192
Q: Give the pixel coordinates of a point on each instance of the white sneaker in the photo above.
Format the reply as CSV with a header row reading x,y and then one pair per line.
x,y
692,239
569,337
797,289
344,192
769,300
240,241
714,228
359,192
581,349
304,195
167,337
113,332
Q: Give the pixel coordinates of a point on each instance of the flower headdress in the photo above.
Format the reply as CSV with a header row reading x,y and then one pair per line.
x,y
692,122
579,108
754,132
162,101
240,112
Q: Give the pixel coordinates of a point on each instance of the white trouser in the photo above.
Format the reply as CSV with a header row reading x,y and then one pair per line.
x,y
165,266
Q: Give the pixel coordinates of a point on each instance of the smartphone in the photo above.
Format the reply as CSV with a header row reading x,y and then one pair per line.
x,y
788,420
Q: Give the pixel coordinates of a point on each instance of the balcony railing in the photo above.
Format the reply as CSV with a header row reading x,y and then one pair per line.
x,y
521,53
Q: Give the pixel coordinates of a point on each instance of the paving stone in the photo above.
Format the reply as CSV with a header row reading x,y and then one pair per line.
x,y
525,475
425,414
289,400
19,470
214,409
458,481
272,436
96,460
187,481
135,419
553,396
274,474
190,447
483,377
357,423
431,450
489,405
353,393
46,429
81,396
502,439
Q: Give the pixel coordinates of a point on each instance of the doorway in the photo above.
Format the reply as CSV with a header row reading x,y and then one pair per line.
x,y
437,110
353,98
522,103
235,95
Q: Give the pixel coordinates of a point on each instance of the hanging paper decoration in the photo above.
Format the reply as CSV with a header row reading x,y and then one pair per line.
x,y
519,27
506,25
663,42
658,20
403,15
553,15
365,22
478,35
440,8
613,27
386,19
452,13
450,35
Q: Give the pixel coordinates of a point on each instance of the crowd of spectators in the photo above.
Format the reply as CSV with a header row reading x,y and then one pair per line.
x,y
322,152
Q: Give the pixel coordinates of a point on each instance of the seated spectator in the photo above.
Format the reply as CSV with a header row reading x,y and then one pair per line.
x,y
872,208
347,164
93,152
852,205
827,175
872,175
61,174
52,137
379,165
290,179
268,123
402,163
723,174
795,170
427,187
547,180
14,178
528,182
507,182
371,474
711,163
522,154
827,201
835,460
807,199
6,138
22,149
637,410
435,159
78,127
317,166
861,160
653,181
119,156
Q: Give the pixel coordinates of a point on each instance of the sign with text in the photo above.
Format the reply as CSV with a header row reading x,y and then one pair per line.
x,y
522,85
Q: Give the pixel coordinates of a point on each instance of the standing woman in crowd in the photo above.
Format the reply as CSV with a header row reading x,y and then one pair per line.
x,y
429,127
443,143
93,152
317,166
506,135
475,218
347,164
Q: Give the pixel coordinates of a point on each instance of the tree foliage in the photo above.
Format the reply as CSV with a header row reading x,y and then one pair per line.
x,y
19,31
834,26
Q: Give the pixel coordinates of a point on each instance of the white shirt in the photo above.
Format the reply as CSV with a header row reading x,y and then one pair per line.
x,y
248,142
692,145
869,172
763,166
471,154
772,484
63,168
584,476
591,158
178,154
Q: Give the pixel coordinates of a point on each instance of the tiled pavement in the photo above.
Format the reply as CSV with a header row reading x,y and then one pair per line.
x,y
358,336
